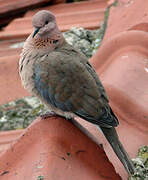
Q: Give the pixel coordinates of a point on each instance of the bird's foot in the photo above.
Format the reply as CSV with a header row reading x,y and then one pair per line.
x,y
48,114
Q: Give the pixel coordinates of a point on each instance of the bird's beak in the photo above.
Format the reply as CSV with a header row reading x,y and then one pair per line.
x,y
35,31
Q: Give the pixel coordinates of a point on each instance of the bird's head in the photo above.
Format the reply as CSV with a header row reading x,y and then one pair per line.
x,y
44,23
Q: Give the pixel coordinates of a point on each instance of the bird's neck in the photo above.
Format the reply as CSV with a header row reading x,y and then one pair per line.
x,y
45,44
49,42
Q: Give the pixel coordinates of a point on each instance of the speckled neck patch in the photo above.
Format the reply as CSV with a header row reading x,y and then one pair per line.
x,y
47,42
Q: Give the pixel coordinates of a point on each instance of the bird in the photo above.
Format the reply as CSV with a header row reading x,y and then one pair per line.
x,y
63,79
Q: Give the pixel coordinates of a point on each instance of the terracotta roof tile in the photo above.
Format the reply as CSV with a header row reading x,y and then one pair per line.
x,y
67,16
122,69
7,137
74,7
8,6
10,83
11,9
121,63
11,46
127,17
51,150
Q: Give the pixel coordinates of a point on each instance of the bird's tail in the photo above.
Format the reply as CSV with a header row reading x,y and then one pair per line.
x,y
112,137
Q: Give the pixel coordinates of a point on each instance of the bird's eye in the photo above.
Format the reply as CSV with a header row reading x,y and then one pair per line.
x,y
46,22
55,41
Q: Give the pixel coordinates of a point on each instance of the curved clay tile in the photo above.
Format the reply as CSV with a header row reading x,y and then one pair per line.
x,y
12,9
10,83
122,65
125,16
68,15
122,62
55,149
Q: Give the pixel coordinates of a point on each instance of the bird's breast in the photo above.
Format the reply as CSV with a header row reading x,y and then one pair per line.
x,y
26,72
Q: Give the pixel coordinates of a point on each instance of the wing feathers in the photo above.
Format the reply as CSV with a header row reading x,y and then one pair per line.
x,y
71,84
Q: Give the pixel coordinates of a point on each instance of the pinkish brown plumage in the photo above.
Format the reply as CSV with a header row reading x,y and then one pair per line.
x,y
65,81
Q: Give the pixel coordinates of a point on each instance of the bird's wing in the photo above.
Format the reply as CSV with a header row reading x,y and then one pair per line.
x,y
69,83
98,82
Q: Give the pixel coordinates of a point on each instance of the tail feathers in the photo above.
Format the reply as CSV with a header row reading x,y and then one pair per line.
x,y
112,137
108,118
115,118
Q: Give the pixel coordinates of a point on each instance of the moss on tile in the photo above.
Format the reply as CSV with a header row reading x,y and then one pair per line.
x,y
83,39
141,164
88,41
40,177
20,113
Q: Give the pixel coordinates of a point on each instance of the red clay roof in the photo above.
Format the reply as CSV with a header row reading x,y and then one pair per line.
x,y
7,137
67,15
128,17
11,9
55,149
122,65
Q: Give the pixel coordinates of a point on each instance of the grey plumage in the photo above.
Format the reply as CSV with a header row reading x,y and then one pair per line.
x,y
63,78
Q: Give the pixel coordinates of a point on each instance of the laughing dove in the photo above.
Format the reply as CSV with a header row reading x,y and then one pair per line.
x,y
66,82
